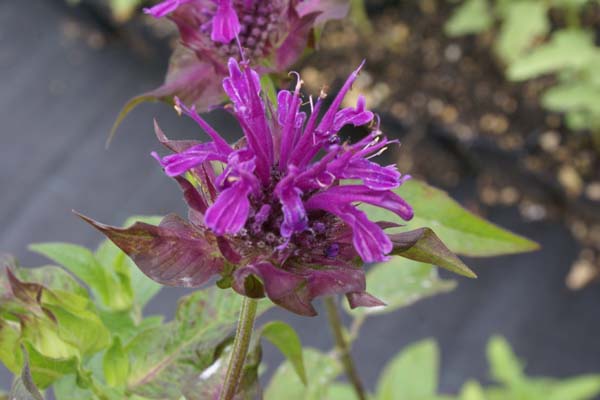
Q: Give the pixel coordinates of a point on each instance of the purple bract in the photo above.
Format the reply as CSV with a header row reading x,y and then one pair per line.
x,y
278,216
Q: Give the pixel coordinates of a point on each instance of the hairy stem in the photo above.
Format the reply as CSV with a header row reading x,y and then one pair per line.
x,y
241,343
343,346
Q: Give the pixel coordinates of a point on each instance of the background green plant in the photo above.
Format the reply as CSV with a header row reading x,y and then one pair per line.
x,y
528,46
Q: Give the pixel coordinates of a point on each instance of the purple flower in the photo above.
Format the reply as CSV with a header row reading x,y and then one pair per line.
x,y
273,33
277,218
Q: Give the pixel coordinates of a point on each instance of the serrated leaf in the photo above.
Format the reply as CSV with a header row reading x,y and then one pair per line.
x,y
504,365
116,364
184,346
401,282
284,337
568,49
472,16
463,232
523,23
208,383
321,370
412,374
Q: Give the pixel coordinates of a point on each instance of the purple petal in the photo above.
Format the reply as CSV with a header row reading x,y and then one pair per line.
x,y
243,87
373,175
284,288
180,163
226,24
294,215
173,253
357,116
230,211
346,194
369,240
164,8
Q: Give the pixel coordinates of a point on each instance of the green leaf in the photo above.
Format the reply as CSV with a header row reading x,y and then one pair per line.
x,y
584,387
283,336
524,22
285,383
123,10
77,324
341,391
472,390
66,389
401,282
504,365
10,336
463,232
208,383
472,16
53,278
568,49
81,263
573,96
184,346
46,370
116,364
423,245
412,374
23,387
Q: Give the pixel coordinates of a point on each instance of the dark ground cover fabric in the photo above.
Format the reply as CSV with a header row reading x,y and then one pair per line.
x,y
62,86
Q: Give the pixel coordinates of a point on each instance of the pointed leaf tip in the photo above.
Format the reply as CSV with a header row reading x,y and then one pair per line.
x,y
127,108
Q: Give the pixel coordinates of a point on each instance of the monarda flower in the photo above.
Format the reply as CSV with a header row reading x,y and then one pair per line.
x,y
274,214
273,33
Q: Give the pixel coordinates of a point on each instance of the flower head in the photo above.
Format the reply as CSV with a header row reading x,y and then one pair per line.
x,y
274,33
278,216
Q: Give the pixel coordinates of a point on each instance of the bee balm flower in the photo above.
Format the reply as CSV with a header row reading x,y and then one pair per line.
x,y
273,33
276,219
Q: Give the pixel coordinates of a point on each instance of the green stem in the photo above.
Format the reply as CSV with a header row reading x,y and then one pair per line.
x,y
241,343
335,322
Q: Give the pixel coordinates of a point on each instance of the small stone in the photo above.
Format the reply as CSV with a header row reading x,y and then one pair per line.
x,y
489,195
453,52
532,211
549,141
449,114
592,191
494,123
509,196
570,180
435,107
581,274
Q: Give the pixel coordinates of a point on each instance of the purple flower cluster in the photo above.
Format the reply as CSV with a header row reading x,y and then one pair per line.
x,y
273,33
275,214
